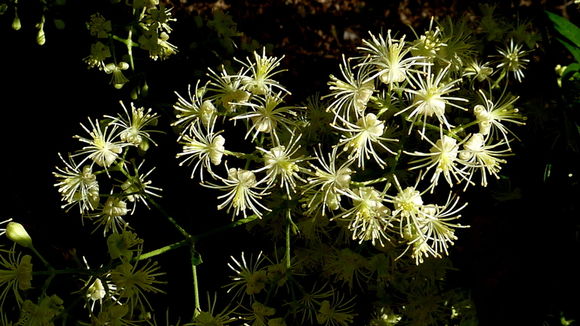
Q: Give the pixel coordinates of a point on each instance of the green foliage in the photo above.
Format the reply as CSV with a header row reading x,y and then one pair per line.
x,y
571,42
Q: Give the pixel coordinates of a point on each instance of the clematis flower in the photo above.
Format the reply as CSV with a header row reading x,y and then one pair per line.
x,y
352,93
203,147
243,192
431,96
390,58
361,138
443,159
512,60
102,147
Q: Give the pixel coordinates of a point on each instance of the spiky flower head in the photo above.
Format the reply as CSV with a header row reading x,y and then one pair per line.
x,y
443,159
327,180
77,185
512,60
431,96
15,275
102,147
390,58
203,147
258,79
249,277
369,219
134,125
360,139
352,93
243,192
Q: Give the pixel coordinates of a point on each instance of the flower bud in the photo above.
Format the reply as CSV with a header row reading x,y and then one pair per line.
x,y
16,24
16,232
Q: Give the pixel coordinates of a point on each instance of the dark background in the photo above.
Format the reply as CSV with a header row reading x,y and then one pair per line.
x,y
518,258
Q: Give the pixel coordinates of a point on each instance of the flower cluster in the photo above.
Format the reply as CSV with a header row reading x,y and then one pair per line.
x,y
102,179
148,31
252,98
362,184
402,105
457,128
407,125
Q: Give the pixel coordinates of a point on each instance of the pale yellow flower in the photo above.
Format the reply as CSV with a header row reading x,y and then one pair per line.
x,y
102,145
243,192
360,139
15,275
390,58
431,96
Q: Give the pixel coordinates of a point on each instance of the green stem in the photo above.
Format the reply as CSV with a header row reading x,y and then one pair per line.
x,y
195,238
397,157
197,304
171,219
496,84
127,42
370,182
130,49
195,261
461,128
288,253
245,156
164,249
44,261
226,227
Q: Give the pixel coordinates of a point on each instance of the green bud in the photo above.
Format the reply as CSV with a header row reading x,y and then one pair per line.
x,y
144,145
16,25
17,233
40,36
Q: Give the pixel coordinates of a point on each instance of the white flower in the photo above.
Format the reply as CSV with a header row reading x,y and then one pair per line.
x,y
512,60
491,117
434,232
117,79
99,53
369,218
443,159
430,96
352,94
327,180
204,147
261,70
408,204
194,111
228,88
387,55
102,147
77,185
243,192
268,115
249,278
159,18
480,156
478,71
137,187
361,138
133,125
279,163
111,215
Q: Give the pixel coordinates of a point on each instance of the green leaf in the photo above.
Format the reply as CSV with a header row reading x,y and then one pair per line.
x,y
571,69
573,49
566,28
